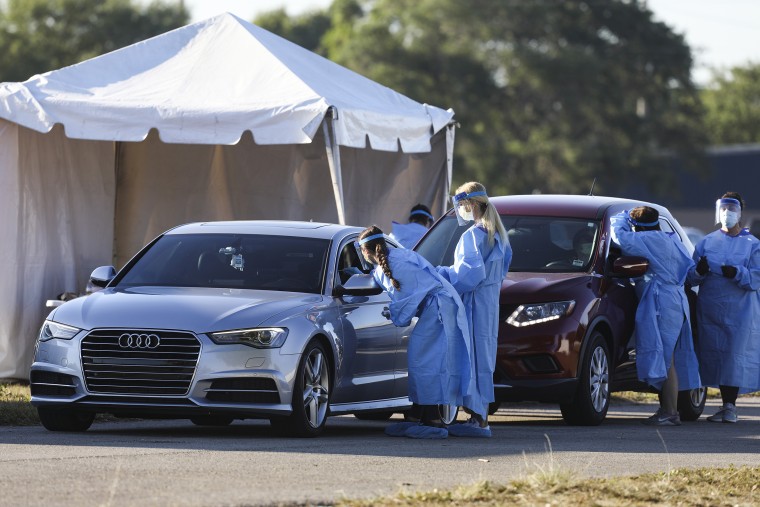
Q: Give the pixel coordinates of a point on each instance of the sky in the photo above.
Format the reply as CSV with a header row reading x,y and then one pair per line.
x,y
721,33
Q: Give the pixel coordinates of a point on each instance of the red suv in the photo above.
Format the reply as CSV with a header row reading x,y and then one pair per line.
x,y
568,304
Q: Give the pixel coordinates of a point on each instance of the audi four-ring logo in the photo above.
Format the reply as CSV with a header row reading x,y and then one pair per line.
x,y
139,341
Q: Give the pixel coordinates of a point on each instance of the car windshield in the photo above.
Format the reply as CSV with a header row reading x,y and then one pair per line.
x,y
539,244
244,261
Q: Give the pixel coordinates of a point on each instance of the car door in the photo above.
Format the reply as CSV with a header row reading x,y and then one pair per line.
x,y
370,340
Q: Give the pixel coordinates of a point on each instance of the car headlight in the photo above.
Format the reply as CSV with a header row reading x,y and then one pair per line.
x,y
52,330
261,338
527,315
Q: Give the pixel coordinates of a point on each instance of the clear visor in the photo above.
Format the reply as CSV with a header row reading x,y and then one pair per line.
x,y
723,207
462,209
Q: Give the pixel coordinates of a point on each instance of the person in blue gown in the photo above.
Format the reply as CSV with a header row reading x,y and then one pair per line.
x,y
727,271
665,356
420,220
481,261
439,346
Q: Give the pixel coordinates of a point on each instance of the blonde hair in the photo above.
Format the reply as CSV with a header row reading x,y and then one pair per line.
x,y
489,216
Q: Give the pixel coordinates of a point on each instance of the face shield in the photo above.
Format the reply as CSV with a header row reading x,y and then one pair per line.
x,y
463,206
358,245
728,212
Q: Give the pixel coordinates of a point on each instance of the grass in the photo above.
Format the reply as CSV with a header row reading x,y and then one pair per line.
x,y
705,486
15,408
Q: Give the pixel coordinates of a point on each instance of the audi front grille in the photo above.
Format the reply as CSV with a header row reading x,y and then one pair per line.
x,y
139,362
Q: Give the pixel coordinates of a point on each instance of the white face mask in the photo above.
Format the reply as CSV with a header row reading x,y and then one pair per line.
x,y
729,219
466,214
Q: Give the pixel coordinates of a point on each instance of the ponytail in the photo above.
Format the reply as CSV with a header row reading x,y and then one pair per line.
x,y
489,216
380,250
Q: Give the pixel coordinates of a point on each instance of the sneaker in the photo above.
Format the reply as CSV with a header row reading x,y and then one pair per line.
x,y
726,414
660,419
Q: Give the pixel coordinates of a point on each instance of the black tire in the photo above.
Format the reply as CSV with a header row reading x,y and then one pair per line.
x,y
448,413
373,416
691,404
211,420
592,397
493,407
311,395
65,419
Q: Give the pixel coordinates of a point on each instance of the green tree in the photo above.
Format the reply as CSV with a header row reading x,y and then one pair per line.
x,y
732,101
41,35
306,29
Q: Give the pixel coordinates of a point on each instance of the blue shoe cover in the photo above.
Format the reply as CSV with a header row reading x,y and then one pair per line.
x,y
399,429
427,432
469,430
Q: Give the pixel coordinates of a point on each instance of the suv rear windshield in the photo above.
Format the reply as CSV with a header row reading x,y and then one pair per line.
x,y
243,261
539,244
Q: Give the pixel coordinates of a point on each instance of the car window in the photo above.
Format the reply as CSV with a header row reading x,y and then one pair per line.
x,y
281,263
539,244
349,262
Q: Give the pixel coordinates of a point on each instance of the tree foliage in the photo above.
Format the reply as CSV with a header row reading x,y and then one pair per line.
x,y
733,106
550,95
41,35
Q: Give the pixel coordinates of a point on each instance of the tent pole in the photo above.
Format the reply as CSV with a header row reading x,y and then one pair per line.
x,y
333,160
450,134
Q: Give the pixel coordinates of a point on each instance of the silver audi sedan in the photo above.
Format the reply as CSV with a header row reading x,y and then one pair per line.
x,y
219,321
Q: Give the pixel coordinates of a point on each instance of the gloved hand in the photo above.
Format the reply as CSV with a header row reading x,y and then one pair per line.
x,y
728,271
702,267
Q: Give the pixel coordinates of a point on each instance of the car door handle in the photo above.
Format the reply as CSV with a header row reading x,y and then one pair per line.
x,y
386,313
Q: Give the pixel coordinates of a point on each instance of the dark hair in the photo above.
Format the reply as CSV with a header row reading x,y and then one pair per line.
x,y
419,217
734,195
380,249
646,214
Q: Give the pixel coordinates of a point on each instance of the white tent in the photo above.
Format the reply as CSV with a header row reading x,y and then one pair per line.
x,y
216,120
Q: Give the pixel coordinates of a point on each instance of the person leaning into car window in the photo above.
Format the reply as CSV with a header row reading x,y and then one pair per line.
x,y
665,357
481,261
728,307
439,346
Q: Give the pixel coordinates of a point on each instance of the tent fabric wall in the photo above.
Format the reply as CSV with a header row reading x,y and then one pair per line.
x,y
58,216
163,185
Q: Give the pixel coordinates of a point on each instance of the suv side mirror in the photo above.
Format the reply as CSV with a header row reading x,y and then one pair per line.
x,y
102,276
629,267
359,285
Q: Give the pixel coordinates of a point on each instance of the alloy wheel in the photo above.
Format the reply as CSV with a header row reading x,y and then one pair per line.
x,y
316,391
599,378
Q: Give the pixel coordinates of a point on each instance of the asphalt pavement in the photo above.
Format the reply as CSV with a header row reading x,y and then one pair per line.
x,y
157,462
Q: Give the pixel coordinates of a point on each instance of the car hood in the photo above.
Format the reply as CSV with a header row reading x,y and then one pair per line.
x,y
521,287
193,309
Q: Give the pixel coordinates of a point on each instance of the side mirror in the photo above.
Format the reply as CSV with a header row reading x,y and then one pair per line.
x,y
629,267
359,285
101,276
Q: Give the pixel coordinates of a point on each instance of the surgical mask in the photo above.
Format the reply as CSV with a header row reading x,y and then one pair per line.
x,y
728,219
466,214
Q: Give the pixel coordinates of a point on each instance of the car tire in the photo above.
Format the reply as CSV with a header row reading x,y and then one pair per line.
x,y
592,397
493,407
448,413
311,395
691,403
65,419
373,416
211,420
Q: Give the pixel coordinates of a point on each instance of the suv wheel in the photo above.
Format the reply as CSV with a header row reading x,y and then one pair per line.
x,y
311,395
691,404
592,398
65,419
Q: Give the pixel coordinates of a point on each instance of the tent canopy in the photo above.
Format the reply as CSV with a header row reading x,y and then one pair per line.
x,y
218,120
209,82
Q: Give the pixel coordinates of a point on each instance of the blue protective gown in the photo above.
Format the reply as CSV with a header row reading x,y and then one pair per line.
x,y
728,311
407,234
439,346
663,327
477,274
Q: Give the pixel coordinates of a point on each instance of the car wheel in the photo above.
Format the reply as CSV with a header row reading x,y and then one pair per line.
x,y
493,407
211,420
691,403
592,398
65,419
448,413
311,395
373,416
